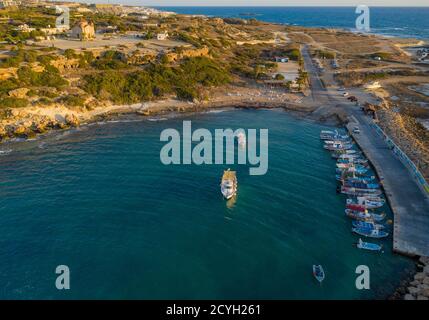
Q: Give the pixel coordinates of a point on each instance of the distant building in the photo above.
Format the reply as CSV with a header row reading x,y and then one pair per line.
x,y
83,30
8,3
162,36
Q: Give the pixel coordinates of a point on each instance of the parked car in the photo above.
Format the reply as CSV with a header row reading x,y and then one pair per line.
x,y
356,130
341,89
345,94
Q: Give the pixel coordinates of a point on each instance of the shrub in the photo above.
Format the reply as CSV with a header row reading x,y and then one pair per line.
x,y
11,102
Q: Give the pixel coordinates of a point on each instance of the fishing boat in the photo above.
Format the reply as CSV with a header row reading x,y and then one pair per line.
x,y
367,224
331,135
359,170
367,204
344,166
364,215
338,146
348,141
373,233
337,153
360,185
360,192
327,135
357,215
318,273
228,186
369,246
353,160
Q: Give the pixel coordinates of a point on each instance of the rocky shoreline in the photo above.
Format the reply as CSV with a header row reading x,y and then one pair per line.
x,y
416,287
30,123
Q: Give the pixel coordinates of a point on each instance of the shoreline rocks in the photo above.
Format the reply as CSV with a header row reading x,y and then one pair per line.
x,y
417,287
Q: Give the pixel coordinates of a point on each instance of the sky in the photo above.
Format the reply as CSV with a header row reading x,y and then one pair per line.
x,y
352,3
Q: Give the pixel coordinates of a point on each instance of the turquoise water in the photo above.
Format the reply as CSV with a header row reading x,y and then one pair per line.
x,y
99,201
391,21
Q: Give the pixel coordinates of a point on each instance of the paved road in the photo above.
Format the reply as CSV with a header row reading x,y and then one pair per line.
x,y
408,201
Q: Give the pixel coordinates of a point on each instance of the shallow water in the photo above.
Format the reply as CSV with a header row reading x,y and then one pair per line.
x,y
99,200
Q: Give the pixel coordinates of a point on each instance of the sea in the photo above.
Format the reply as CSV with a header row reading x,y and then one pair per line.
x,y
405,22
98,202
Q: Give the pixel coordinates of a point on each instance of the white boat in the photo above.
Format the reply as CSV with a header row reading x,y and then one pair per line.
x,y
228,186
367,203
318,273
369,246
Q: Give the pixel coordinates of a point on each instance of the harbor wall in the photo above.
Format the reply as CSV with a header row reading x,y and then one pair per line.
x,y
404,158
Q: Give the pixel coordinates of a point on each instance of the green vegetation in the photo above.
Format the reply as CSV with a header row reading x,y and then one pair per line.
x,y
157,80
323,54
73,100
48,78
11,102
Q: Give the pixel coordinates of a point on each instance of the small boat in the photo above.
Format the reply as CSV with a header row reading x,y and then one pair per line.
x,y
367,225
373,233
361,185
318,273
336,154
338,146
331,135
367,204
369,246
360,192
228,186
364,215
344,141
353,170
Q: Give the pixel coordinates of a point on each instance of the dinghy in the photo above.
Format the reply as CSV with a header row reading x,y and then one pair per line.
x,y
368,246
318,273
373,233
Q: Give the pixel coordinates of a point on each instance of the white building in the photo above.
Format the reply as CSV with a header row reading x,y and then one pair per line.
x,y
8,3
162,36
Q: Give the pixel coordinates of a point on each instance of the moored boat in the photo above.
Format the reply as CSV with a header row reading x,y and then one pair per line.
x,y
367,224
367,204
360,192
369,246
318,273
228,185
338,146
373,233
364,215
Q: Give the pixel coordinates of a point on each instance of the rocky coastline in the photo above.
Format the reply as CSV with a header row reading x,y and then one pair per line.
x,y
416,287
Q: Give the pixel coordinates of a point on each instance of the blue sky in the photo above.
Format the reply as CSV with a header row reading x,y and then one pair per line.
x,y
352,3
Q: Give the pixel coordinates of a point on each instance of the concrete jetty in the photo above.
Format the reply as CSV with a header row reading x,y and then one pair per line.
x,y
408,201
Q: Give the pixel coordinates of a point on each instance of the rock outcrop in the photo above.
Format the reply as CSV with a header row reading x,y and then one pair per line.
x,y
418,287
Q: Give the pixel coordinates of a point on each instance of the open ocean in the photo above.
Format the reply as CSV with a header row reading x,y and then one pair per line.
x,y
98,200
389,21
